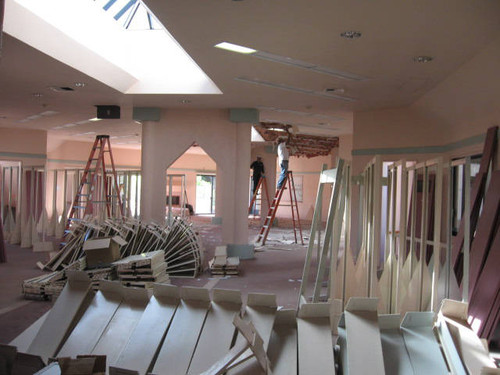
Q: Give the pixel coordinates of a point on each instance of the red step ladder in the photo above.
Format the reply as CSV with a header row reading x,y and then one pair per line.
x,y
273,208
95,193
261,186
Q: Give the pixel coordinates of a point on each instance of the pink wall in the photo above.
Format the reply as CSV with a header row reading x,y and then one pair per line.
x,y
459,109
74,154
226,142
27,146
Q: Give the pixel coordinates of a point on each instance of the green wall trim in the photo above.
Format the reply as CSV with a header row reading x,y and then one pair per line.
x,y
422,150
248,115
22,155
146,113
217,220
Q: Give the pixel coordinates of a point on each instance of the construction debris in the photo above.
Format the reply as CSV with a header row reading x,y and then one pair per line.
x,y
180,246
223,265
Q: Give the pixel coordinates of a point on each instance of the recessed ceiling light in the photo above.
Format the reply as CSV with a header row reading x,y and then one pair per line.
x,y
185,101
350,34
235,48
422,59
79,84
37,95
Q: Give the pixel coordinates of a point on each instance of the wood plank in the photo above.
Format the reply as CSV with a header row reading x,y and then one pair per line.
x,y
423,349
396,359
144,341
476,198
261,311
483,297
61,316
94,321
218,330
315,346
282,350
121,326
364,346
182,336
24,340
485,231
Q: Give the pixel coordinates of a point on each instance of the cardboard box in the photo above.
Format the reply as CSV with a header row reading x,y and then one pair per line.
x,y
102,251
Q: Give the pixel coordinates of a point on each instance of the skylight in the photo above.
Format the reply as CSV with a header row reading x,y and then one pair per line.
x,y
118,42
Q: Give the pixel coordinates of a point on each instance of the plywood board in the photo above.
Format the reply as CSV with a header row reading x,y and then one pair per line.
x,y
315,346
282,350
24,340
396,359
92,324
364,347
423,349
218,330
61,316
261,311
180,341
144,341
118,331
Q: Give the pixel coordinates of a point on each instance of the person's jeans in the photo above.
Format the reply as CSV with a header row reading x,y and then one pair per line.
x,y
284,170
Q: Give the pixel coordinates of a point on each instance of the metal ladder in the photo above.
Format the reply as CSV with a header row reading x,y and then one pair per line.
x,y
94,191
273,208
262,186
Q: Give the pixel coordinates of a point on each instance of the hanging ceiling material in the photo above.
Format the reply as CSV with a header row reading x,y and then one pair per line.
x,y
300,144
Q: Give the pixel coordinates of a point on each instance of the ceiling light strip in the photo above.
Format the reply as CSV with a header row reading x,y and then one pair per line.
x,y
309,66
293,89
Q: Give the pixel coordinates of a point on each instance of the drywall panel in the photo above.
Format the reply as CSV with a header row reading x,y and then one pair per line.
x,y
144,341
362,335
24,340
282,350
315,346
218,330
180,342
91,325
423,349
61,316
396,359
121,326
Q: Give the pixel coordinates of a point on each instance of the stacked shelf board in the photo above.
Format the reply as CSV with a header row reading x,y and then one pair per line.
x,y
180,244
142,270
223,265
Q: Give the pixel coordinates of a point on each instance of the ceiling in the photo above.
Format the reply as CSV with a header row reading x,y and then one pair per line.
x,y
393,33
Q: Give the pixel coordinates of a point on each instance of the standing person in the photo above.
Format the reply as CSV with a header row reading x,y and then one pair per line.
x,y
283,156
258,171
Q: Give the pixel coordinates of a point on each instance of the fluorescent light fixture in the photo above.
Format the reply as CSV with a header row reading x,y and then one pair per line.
x,y
276,129
299,90
235,48
290,61
94,119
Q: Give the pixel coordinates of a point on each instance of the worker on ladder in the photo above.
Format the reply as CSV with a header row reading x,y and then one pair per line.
x,y
283,156
258,171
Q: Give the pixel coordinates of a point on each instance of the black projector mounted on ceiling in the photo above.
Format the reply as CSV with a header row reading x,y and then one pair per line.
x,y
108,112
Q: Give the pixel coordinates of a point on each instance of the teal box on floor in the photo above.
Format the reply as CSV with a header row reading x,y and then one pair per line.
x,y
241,251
